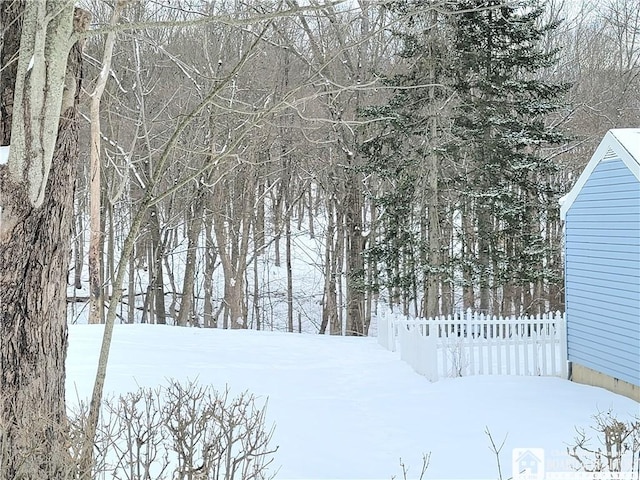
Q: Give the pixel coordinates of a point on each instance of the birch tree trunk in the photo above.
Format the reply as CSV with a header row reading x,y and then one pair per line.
x,y
96,289
34,244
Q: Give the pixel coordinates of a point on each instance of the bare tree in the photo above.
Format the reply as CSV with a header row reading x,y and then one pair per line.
x,y
341,49
96,310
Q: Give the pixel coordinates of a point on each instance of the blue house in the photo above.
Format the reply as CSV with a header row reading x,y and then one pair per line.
x,y
602,267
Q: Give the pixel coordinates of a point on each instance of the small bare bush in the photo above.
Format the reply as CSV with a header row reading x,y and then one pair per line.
x,y
459,359
182,432
216,436
131,440
615,448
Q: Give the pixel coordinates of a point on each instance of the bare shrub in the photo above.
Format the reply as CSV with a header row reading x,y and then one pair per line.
x,y
180,431
132,437
459,359
215,435
615,448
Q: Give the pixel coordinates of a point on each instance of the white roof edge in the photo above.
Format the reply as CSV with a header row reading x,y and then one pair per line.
x,y
625,142
629,139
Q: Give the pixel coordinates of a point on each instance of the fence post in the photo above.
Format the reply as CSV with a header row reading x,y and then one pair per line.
x,y
428,355
473,337
405,342
561,326
392,327
383,330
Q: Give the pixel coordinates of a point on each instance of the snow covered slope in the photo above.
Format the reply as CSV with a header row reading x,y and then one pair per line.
x,y
345,408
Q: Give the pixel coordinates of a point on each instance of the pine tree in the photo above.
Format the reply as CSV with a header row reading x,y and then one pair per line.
x,y
404,153
500,127
464,184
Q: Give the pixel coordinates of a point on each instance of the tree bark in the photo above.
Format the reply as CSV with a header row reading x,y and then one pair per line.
x,y
354,254
232,210
468,255
78,249
433,281
289,275
42,92
330,317
156,270
484,255
186,315
209,267
34,262
11,13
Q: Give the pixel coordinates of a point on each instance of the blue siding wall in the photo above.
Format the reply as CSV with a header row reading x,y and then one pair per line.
x,y
603,273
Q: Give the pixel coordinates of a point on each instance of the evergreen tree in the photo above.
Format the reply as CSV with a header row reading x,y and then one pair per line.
x,y
465,186
404,153
500,128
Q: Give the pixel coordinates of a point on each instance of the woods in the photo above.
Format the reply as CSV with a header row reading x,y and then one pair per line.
x,y
425,144
421,146
426,147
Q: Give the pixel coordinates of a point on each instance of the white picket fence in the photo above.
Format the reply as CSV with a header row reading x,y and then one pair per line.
x,y
475,344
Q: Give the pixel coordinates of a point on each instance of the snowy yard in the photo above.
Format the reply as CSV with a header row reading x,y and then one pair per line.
x,y
345,408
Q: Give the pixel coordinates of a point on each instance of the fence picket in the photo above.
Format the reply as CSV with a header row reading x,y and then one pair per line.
x,y
544,357
471,333
499,345
507,342
553,337
534,350
383,331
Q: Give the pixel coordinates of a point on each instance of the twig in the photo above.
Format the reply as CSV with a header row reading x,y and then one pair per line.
x,y
496,450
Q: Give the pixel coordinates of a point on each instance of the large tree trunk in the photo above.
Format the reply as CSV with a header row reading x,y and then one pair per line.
x,y
434,276
34,262
355,260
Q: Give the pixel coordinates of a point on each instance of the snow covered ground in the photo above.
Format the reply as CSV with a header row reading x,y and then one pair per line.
x,y
345,408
